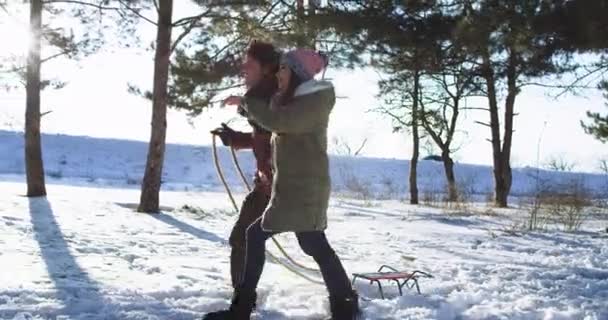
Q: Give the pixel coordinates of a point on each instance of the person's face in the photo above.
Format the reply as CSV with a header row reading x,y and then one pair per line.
x,y
252,71
283,77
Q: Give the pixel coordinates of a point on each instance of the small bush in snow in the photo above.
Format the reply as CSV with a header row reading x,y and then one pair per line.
x,y
132,181
514,228
565,204
489,198
537,218
466,188
57,174
462,203
560,164
431,197
569,207
353,185
458,207
390,187
194,210
603,166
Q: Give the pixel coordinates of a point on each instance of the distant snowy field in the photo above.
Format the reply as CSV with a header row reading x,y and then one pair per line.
x,y
121,163
83,253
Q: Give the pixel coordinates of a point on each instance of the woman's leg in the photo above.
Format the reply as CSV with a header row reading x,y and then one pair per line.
x,y
315,244
343,300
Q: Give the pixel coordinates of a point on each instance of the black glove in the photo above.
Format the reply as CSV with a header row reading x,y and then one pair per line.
x,y
225,133
242,112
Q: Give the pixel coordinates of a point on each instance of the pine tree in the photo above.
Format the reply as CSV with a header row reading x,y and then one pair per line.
x,y
34,167
598,128
510,43
441,106
65,44
190,70
150,189
404,42
208,62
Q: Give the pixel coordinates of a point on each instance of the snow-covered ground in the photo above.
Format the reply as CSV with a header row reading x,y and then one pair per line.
x,y
83,253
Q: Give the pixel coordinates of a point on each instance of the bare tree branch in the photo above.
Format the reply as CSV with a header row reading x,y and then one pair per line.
x,y
475,108
186,31
234,86
483,124
97,6
136,12
43,60
231,43
361,147
191,19
272,7
240,37
555,86
599,68
392,115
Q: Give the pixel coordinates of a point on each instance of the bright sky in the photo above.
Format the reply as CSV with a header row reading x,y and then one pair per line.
x,y
96,103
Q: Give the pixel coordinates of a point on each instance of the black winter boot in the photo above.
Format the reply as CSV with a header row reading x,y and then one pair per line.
x,y
240,309
344,308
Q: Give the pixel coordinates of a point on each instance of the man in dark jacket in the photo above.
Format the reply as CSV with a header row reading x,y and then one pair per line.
x,y
259,68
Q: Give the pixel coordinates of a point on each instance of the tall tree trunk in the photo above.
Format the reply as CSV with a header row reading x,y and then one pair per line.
x,y
34,168
500,190
416,142
149,201
301,36
448,166
512,91
448,163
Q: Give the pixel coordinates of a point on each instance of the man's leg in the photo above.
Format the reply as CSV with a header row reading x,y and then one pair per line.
x,y
252,208
255,257
244,297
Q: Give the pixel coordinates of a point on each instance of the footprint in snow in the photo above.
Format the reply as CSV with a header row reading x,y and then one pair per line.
x,y
130,257
11,218
476,244
153,270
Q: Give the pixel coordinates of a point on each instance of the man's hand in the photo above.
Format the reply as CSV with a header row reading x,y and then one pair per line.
x,y
225,133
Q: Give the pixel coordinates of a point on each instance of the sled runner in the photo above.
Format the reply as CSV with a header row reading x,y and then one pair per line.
x,y
402,278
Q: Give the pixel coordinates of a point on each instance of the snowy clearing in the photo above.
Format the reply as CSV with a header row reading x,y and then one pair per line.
x,y
83,253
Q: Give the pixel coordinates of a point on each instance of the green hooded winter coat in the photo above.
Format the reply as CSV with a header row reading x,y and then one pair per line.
x,y
301,184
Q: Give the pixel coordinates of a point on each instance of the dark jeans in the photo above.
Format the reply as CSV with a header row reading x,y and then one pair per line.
x,y
252,208
314,243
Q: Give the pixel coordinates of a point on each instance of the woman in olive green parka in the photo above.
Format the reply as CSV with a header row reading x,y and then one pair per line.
x,y
298,117
300,192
